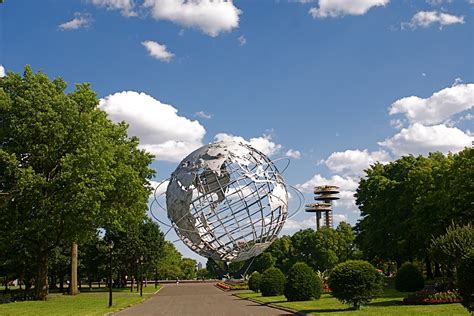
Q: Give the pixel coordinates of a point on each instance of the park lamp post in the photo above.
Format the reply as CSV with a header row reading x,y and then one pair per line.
x,y
111,246
141,276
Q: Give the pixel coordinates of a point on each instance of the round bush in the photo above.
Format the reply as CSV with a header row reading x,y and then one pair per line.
x,y
302,284
355,282
409,278
465,281
272,282
254,281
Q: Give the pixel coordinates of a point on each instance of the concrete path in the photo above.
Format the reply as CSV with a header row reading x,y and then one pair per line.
x,y
198,299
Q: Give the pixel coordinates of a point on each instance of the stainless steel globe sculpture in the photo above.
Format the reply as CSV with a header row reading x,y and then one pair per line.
x,y
227,201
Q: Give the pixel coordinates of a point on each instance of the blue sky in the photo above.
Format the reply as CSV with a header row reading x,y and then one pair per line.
x,y
340,83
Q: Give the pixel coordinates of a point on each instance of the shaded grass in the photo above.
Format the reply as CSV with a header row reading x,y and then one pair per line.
x,y
386,305
95,303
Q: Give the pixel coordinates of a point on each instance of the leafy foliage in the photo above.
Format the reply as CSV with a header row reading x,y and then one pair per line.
x,y
465,281
453,245
302,283
262,262
254,281
355,282
65,170
406,202
409,278
272,282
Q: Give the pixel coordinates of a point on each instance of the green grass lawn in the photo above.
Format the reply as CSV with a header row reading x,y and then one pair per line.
x,y
386,305
86,303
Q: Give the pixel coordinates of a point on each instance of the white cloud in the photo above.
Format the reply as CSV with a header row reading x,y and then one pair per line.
x,y
427,18
2,71
347,186
353,162
126,7
203,115
437,108
344,183
161,130
210,16
263,143
334,8
159,187
81,20
295,154
242,40
420,139
397,123
158,51
295,225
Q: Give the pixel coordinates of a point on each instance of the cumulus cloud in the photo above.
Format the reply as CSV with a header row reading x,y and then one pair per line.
x,y
161,130
437,108
158,51
2,71
353,162
334,8
295,154
344,183
347,186
81,20
203,115
242,40
126,7
425,19
418,139
295,225
263,143
210,16
158,188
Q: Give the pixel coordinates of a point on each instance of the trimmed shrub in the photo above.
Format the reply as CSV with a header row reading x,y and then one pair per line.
x,y
302,284
272,282
465,281
409,278
355,282
254,281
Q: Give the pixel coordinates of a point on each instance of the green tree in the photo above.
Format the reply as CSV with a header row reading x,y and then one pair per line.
x,y
169,264
355,282
65,169
451,247
408,201
272,282
409,278
254,281
302,284
465,280
202,274
188,266
262,262
280,249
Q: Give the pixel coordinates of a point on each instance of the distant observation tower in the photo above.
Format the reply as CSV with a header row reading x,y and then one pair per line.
x,y
326,194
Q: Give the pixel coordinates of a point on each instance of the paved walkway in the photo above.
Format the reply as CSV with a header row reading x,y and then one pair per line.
x,y
198,299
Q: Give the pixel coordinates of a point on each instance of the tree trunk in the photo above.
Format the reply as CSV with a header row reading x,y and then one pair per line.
x,y
429,270
73,290
437,270
41,281
61,283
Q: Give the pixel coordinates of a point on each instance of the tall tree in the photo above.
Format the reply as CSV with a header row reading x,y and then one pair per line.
x,y
66,170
